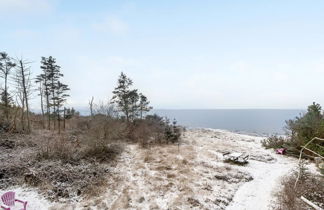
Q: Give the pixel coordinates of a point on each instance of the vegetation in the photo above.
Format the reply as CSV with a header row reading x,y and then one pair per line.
x,y
310,186
72,160
300,131
129,102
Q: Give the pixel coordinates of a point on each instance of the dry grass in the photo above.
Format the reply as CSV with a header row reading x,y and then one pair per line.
x,y
56,164
311,187
74,163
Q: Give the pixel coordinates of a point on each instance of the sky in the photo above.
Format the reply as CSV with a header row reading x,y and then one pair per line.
x,y
181,54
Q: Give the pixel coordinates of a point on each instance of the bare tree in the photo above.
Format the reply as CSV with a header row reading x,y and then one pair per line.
x,y
23,86
40,80
91,106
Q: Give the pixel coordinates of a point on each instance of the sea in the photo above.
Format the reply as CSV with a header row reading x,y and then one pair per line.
x,y
262,122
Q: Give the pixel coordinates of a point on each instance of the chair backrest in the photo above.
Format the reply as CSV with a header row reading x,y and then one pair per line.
x,y
8,198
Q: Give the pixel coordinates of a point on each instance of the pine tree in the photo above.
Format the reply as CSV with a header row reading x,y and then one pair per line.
x,y
44,78
134,107
59,98
123,96
129,101
50,82
143,105
39,79
53,77
6,66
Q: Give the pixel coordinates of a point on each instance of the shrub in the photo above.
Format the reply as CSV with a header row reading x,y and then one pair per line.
x,y
274,142
311,187
104,130
55,147
154,130
172,132
300,131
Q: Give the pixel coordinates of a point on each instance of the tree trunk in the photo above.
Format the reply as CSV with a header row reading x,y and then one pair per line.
x,y
53,95
64,119
48,115
6,96
47,106
59,120
25,95
42,104
91,106
22,112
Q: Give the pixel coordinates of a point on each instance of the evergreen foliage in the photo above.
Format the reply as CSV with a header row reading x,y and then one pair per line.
x,y
52,89
300,131
130,103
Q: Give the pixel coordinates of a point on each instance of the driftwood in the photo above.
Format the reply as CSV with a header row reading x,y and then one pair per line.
x,y
308,202
305,148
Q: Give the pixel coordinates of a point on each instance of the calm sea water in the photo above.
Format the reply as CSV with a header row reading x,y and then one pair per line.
x,y
253,121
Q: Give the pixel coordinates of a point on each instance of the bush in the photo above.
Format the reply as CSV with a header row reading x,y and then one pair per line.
x,y
300,131
274,142
104,130
55,147
172,132
154,130
312,188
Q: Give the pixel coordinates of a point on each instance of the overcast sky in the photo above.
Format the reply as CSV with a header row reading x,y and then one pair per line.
x,y
180,53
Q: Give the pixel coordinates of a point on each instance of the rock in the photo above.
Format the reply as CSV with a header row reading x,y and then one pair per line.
x,y
194,202
141,199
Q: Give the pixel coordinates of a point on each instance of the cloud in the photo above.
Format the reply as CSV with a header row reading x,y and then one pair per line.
x,y
24,6
112,25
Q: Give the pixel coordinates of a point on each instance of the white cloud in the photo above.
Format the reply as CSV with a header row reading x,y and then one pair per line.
x,y
24,6
113,25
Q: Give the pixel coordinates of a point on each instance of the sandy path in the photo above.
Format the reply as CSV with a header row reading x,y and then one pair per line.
x,y
266,168
258,193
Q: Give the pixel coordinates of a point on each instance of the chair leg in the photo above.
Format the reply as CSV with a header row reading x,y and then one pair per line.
x,y
25,205
5,208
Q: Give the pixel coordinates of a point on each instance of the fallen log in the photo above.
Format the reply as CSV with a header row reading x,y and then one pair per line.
x,y
311,204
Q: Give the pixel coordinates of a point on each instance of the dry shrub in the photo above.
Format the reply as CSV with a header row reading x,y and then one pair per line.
x,y
104,130
9,174
58,147
71,150
154,130
274,142
65,180
311,188
79,123
103,154
102,139
141,133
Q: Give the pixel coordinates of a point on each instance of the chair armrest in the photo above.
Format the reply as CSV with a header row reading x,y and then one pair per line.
x,y
5,208
20,201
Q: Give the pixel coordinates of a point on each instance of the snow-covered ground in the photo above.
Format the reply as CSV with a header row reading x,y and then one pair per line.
x,y
195,176
190,176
